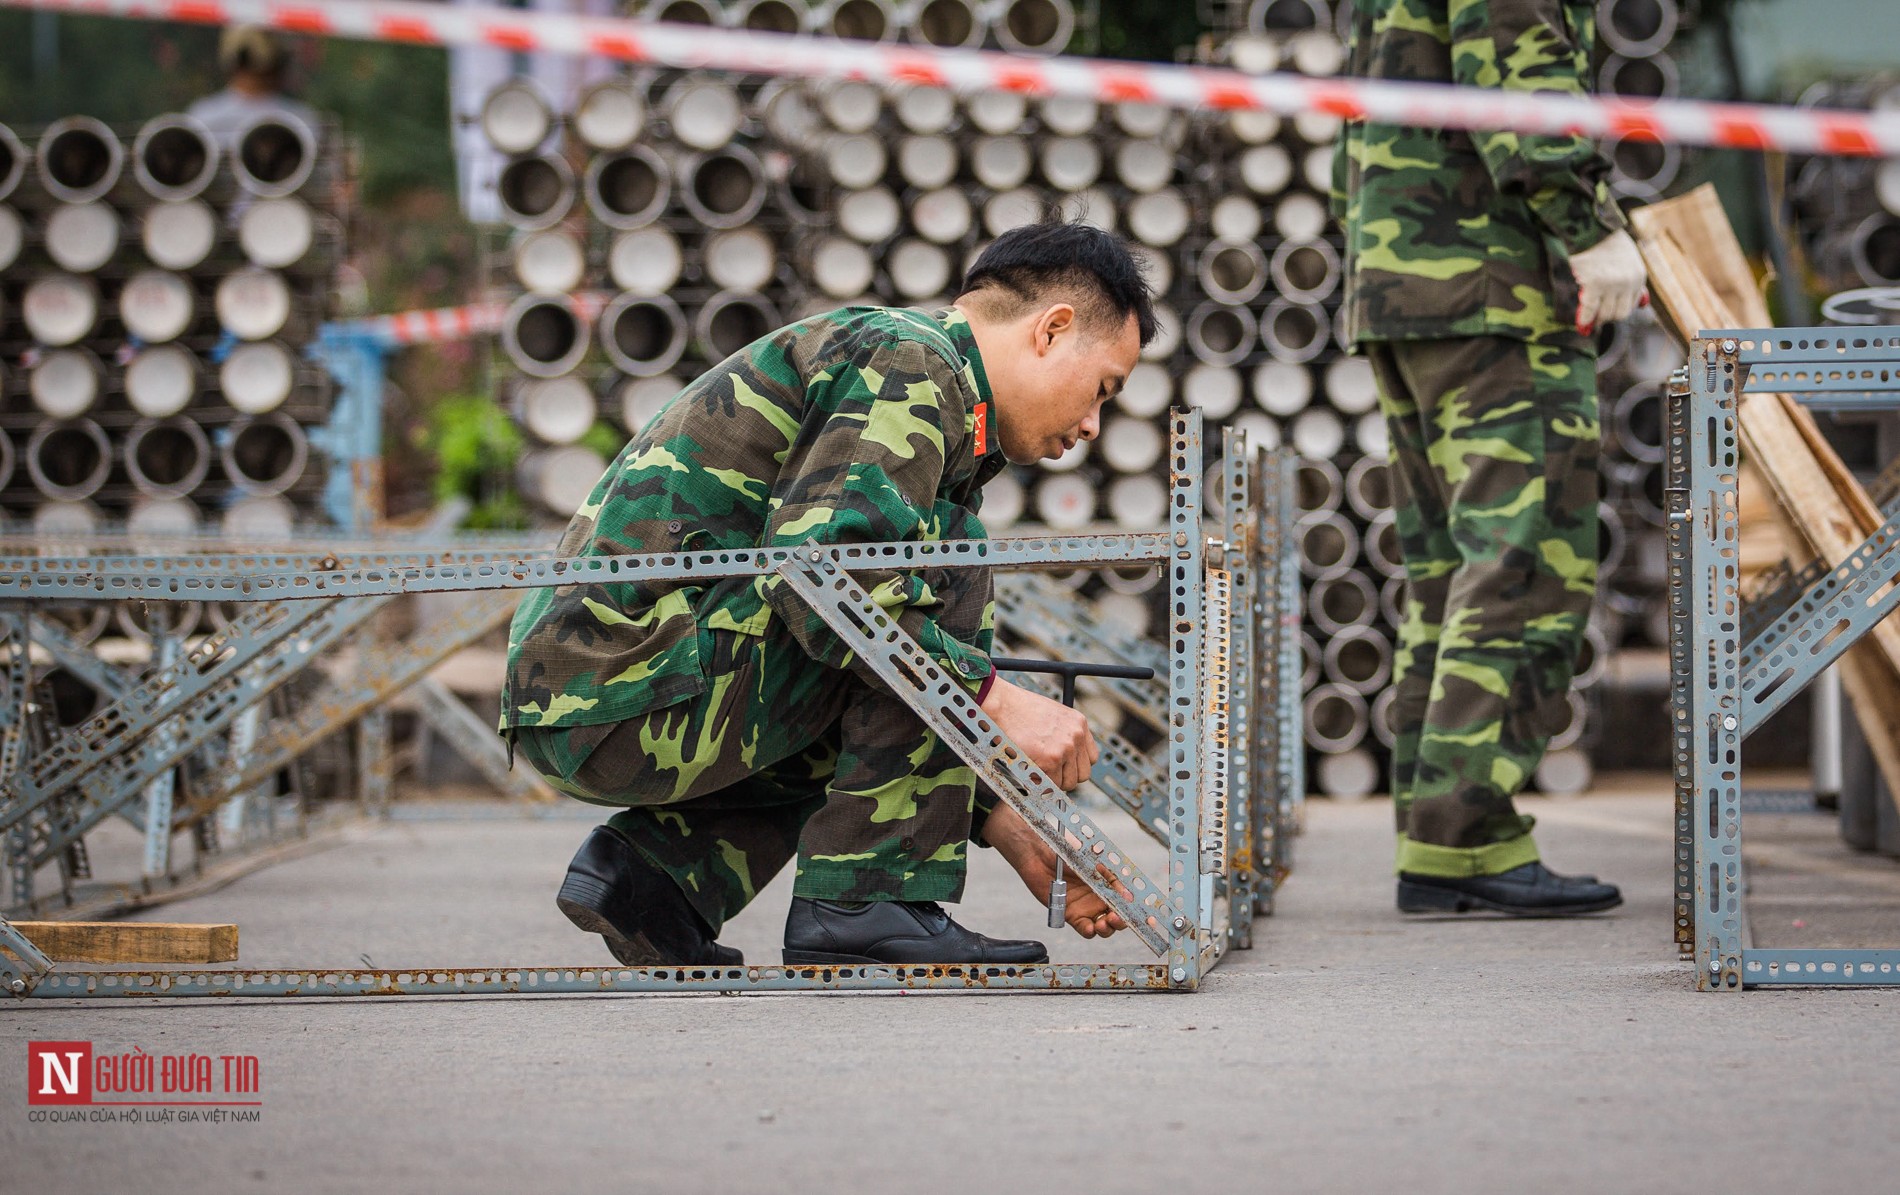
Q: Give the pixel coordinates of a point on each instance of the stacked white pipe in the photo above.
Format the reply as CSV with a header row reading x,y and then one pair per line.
x,y
157,292
1846,213
669,218
876,195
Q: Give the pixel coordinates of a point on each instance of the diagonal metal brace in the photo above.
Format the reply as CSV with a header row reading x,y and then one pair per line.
x,y
475,741
75,657
1778,588
104,790
22,966
374,680
1821,625
165,693
932,695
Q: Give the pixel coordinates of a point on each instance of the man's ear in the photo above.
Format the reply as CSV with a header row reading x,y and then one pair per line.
x,y
1055,321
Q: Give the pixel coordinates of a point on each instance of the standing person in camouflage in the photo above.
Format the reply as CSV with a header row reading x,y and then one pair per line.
x,y
727,721
1478,267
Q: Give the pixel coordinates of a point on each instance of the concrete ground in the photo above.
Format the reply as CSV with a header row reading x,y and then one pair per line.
x,y
1351,1050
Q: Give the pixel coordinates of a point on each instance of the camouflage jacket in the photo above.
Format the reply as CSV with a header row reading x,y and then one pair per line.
x,y
863,425
1451,233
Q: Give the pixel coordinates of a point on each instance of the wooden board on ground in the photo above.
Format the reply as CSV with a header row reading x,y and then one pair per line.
x,y
131,941
1701,277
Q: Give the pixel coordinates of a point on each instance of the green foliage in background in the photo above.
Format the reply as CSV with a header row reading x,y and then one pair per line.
x,y
476,446
606,439
1147,29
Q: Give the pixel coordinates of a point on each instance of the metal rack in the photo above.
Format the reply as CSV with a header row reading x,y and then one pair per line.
x,y
1731,665
1212,814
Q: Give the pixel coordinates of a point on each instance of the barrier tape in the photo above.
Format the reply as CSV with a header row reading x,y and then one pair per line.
x,y
439,324
690,47
431,326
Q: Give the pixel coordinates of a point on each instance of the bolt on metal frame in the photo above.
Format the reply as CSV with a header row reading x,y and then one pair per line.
x,y
1731,667
1188,917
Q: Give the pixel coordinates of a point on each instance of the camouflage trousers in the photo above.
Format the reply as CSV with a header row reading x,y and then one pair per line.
x,y
1494,480
782,755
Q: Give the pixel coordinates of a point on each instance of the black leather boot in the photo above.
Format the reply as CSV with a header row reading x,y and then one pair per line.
x,y
637,908
892,931
1532,890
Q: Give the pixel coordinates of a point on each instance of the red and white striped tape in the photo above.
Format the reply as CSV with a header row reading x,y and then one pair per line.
x,y
440,324
432,326
1684,122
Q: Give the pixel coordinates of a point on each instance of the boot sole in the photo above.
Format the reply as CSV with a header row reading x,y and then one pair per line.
x,y
1422,898
813,958
579,901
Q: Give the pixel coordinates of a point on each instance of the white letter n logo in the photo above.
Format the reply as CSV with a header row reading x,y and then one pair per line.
x,y
68,1078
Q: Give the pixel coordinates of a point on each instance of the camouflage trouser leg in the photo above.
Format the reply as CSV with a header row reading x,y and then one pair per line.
x,y
1494,447
781,755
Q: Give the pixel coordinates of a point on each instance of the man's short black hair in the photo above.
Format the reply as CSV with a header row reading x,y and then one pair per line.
x,y
1056,259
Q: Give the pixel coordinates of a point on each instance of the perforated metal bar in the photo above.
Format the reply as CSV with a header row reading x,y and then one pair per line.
x,y
1263,635
1215,742
287,577
236,813
116,539
162,787
1820,626
1859,400
16,673
1715,738
1860,968
158,568
1678,523
1808,346
1241,559
550,981
945,707
375,760
16,706
1186,686
1290,777
1780,587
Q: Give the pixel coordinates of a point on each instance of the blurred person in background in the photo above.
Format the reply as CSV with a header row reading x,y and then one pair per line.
x,y
255,64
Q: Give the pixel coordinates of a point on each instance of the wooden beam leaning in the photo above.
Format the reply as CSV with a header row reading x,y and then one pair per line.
x,y
1701,277
131,941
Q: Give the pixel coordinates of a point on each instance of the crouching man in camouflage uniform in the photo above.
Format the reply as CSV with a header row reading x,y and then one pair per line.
x,y
726,719
1478,265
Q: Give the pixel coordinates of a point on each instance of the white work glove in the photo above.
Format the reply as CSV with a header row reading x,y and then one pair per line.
x,y
1610,280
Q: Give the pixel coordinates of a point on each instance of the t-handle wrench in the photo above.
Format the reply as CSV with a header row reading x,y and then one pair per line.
x,y
1068,671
